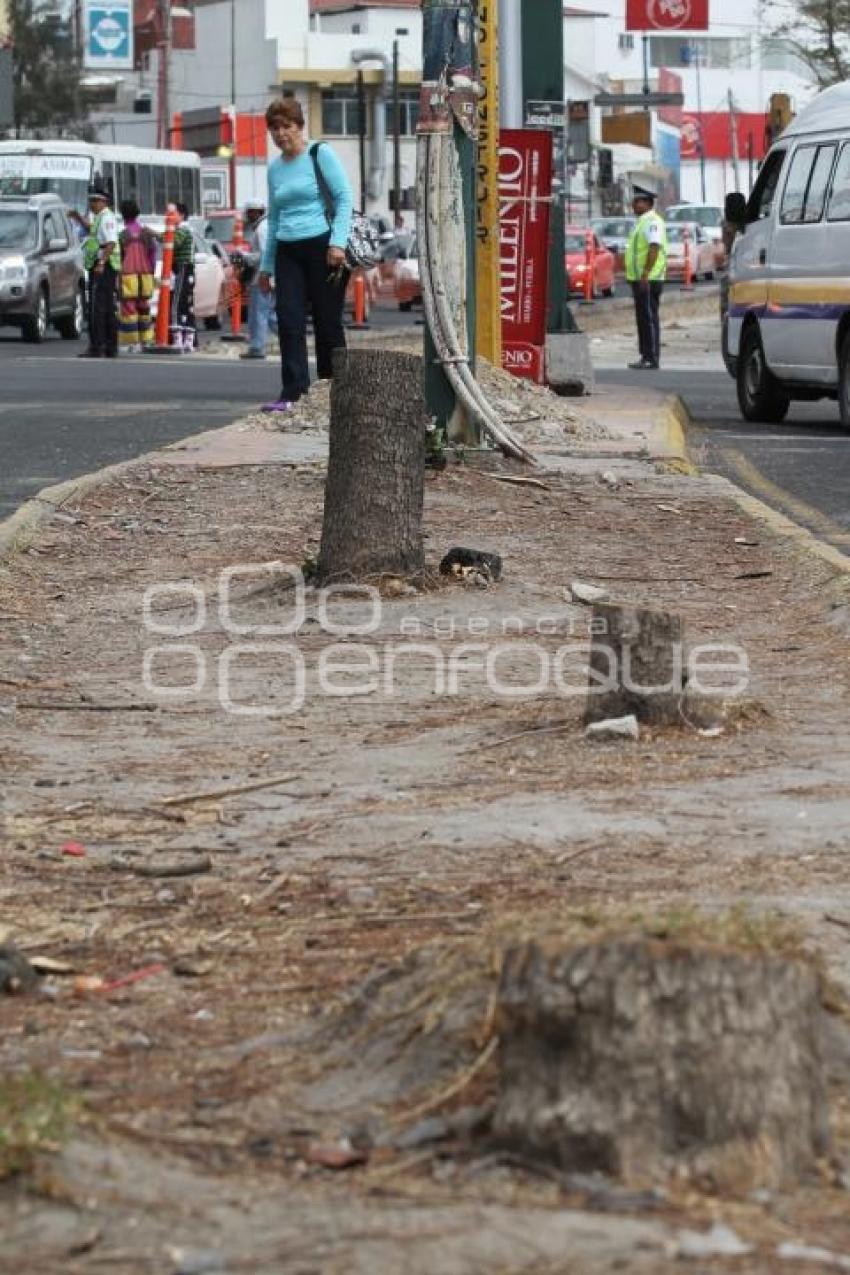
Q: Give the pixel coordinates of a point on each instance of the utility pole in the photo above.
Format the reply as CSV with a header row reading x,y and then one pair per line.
x,y
163,125
487,263
700,137
233,124
361,136
733,138
543,80
446,157
396,140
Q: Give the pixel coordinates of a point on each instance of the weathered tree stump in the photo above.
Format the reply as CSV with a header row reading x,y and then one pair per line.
x,y
639,1059
372,521
636,665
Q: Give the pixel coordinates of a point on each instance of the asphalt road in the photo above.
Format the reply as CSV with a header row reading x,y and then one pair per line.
x,y
801,468
61,417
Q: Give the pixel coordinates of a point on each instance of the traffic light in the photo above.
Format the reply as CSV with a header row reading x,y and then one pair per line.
x,y
780,114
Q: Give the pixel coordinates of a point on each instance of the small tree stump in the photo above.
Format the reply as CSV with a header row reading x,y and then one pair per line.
x,y
636,665
372,522
637,1059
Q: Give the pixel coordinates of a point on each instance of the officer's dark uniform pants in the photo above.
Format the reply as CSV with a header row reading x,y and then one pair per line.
x,y
103,311
647,297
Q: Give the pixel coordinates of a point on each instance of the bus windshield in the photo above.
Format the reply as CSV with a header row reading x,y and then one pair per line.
x,y
67,176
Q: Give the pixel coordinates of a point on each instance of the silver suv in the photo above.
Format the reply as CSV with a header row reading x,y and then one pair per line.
x,y
42,280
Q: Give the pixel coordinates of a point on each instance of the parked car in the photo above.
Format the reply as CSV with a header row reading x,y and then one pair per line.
x,y
613,233
215,277
576,265
42,279
701,251
408,288
710,217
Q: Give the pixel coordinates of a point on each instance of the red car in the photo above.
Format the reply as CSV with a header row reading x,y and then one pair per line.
x,y
575,262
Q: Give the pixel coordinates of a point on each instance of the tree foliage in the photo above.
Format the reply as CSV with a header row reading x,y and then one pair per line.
x,y
46,70
818,32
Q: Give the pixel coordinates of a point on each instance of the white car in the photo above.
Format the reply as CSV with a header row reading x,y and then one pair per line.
x,y
214,276
709,216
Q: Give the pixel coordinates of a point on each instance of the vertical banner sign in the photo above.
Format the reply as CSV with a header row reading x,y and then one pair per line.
x,y
666,15
108,35
525,187
487,329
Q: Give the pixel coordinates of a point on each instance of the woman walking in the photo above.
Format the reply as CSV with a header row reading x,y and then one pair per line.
x,y
138,266
305,250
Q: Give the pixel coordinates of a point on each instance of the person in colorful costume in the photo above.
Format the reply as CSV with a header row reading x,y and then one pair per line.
x,y
138,267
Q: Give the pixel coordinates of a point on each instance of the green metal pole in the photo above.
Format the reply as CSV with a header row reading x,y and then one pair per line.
x,y
448,51
543,80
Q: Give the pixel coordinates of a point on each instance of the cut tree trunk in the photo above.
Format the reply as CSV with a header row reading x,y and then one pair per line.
x,y
372,521
640,1059
636,665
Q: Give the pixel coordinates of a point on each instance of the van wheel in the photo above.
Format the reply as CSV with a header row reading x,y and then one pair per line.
x,y
34,326
844,381
759,396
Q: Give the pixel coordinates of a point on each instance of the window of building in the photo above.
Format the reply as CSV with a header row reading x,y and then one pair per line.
x,y
778,55
625,41
340,113
408,104
707,52
805,189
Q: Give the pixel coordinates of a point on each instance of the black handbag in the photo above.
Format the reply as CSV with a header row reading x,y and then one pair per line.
x,y
363,249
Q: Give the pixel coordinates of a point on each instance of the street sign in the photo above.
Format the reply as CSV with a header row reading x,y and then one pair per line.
x,y
639,99
545,114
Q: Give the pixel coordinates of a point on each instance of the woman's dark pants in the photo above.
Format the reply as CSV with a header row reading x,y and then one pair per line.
x,y
301,280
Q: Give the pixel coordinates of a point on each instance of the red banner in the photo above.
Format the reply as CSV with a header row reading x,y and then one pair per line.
x,y
666,15
525,184
712,128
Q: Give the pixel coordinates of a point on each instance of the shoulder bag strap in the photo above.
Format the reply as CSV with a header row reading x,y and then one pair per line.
x,y
324,188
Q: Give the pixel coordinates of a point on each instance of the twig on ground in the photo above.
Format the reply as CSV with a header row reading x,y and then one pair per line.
x,y
521,734
185,798
456,1087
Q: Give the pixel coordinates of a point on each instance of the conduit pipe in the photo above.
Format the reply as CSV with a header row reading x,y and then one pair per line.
x,y
433,209
378,148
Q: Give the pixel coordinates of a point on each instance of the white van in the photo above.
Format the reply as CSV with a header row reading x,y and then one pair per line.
x,y
786,329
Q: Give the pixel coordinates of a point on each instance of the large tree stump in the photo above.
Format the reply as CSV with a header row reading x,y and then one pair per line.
x,y
372,521
636,665
638,1059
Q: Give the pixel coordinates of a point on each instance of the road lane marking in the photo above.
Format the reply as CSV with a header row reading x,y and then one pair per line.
x,y
772,494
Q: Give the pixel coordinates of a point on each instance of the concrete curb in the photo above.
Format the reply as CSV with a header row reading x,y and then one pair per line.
x,y
667,437
21,527
803,539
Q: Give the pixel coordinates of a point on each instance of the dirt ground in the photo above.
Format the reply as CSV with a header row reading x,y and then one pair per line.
x,y
284,1002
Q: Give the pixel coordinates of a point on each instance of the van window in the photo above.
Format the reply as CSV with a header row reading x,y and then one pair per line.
x,y
805,189
761,200
839,198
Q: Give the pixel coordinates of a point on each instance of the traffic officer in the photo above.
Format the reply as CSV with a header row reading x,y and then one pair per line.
x,y
646,270
102,259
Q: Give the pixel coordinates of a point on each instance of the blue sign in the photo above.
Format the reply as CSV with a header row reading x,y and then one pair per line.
x,y
109,41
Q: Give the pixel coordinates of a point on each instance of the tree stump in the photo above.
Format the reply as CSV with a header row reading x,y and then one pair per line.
x,y
637,1059
372,522
636,665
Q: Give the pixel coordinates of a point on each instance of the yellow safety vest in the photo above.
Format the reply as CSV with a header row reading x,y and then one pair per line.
x,y
637,249
92,246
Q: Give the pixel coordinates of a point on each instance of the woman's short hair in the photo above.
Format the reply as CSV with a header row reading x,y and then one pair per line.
x,y
284,110
129,209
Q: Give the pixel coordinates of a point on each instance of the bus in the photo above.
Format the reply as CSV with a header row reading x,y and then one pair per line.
x,y
154,178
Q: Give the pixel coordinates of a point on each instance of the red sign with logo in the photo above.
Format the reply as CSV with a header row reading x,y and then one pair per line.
x,y
666,15
711,128
525,184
